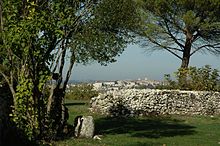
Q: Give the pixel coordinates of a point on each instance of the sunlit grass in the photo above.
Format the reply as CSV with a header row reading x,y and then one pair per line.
x,y
147,131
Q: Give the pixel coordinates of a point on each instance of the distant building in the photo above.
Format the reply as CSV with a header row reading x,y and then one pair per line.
x,y
111,83
98,85
125,84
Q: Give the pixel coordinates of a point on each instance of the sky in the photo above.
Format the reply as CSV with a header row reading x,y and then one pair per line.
x,y
135,63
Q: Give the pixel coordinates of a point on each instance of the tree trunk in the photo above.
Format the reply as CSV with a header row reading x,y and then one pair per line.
x,y
55,113
56,110
186,58
187,50
1,16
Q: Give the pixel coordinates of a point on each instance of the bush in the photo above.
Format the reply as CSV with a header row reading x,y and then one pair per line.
x,y
192,78
81,92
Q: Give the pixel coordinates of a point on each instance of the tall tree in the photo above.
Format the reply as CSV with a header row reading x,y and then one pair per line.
x,y
37,37
182,27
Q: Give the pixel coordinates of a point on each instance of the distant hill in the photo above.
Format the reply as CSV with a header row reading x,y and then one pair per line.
x,y
81,81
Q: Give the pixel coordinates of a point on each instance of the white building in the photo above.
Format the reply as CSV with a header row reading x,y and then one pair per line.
x,y
97,86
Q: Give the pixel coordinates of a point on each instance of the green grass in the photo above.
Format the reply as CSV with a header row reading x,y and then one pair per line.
x,y
147,131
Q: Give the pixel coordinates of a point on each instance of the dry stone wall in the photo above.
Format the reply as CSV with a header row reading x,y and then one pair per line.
x,y
134,102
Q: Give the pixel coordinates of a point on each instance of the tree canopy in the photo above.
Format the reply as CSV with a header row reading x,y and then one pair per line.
x,y
182,27
37,37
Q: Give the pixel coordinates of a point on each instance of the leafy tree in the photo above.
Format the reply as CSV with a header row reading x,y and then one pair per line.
x,y
182,27
81,92
192,78
39,37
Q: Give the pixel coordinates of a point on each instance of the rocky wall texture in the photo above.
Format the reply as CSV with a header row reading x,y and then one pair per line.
x,y
133,102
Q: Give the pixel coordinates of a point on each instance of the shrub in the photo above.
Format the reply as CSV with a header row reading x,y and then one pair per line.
x,y
81,92
192,78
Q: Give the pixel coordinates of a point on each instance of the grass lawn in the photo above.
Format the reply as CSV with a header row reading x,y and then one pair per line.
x,y
147,131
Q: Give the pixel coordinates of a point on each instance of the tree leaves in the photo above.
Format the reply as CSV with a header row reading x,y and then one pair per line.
x,y
39,34
179,26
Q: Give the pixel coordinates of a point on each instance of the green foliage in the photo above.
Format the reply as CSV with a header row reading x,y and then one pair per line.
x,y
37,37
117,15
196,16
24,114
107,33
81,92
181,27
192,78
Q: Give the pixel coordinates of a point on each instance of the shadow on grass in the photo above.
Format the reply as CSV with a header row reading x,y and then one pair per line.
x,y
75,103
147,128
144,144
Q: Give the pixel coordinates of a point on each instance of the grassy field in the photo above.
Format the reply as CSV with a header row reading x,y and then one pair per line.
x,y
147,131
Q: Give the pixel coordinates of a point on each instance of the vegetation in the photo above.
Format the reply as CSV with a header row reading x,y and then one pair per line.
x,y
81,92
192,78
39,37
181,27
146,131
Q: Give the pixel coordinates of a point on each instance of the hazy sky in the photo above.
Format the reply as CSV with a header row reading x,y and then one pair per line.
x,y
135,63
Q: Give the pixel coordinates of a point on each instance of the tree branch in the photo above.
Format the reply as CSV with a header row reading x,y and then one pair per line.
x,y
72,62
172,37
62,62
1,16
173,22
207,46
166,48
56,60
10,86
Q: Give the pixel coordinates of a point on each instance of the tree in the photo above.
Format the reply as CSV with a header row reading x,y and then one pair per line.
x,y
37,38
182,27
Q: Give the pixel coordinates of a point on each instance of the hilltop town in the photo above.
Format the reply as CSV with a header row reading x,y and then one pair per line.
x,y
122,84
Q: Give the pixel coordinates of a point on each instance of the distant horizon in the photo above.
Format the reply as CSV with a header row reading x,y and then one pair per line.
x,y
89,80
135,63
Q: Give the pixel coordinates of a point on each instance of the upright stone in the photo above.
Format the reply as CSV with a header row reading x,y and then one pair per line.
x,y
84,127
